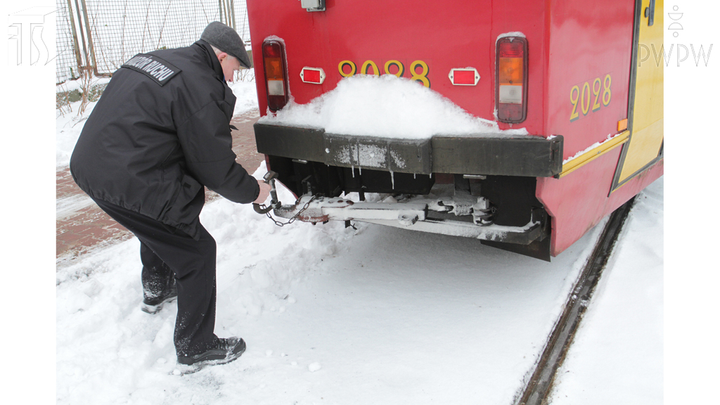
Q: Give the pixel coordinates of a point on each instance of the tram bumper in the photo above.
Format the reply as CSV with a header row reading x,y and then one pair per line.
x,y
475,154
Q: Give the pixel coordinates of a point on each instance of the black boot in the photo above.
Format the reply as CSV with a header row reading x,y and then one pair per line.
x,y
223,351
158,281
159,287
153,303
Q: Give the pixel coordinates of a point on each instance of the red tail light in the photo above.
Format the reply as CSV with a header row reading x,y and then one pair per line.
x,y
276,81
511,84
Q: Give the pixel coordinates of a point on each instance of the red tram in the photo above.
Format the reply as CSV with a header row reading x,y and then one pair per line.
x,y
570,74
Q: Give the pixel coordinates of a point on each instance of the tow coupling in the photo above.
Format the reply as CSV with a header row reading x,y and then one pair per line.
x,y
448,216
269,178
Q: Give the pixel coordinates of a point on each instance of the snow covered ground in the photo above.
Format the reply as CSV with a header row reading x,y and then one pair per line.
x,y
331,315
339,316
617,354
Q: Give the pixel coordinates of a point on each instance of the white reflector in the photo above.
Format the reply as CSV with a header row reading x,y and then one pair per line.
x,y
310,3
510,94
275,88
313,5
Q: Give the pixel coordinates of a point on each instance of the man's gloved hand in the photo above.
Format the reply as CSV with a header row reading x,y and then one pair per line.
x,y
264,192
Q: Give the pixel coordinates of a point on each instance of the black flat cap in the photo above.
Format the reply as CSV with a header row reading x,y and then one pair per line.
x,y
227,40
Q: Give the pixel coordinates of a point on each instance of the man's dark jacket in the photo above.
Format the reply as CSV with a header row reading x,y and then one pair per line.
x,y
160,132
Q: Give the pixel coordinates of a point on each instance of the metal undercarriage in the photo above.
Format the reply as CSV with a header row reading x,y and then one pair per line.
x,y
487,190
462,215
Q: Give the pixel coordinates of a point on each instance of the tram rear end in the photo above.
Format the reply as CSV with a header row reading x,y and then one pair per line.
x,y
555,82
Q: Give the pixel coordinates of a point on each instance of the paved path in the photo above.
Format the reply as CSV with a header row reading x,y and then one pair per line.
x,y
81,225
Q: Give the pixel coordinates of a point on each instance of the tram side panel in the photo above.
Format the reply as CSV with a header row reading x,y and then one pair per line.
x,y
592,55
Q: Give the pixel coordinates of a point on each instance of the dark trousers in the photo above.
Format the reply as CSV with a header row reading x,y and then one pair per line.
x,y
193,263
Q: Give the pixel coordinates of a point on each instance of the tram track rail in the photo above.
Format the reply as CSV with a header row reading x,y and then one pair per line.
x,y
539,386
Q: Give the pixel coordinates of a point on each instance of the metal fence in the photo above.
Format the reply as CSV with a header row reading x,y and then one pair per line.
x,y
100,35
